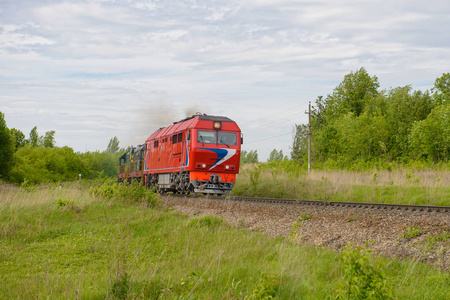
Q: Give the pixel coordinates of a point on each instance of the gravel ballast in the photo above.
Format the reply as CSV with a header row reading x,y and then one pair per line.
x,y
422,236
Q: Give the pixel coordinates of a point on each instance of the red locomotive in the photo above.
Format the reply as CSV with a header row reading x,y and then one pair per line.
x,y
199,154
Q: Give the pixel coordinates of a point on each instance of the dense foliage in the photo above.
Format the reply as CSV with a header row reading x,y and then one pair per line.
x,y
39,165
6,147
36,159
358,122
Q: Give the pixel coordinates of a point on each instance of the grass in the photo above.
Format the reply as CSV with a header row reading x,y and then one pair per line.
x,y
68,244
398,187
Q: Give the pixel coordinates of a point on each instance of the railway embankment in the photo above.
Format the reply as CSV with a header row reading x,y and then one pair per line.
x,y
417,235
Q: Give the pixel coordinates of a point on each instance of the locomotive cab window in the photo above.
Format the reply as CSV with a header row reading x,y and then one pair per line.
x,y
227,138
206,137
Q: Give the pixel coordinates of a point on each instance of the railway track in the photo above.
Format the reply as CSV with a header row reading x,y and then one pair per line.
x,y
373,206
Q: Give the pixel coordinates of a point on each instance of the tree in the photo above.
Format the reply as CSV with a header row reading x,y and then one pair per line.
x,y
442,88
249,157
318,112
49,139
276,155
101,163
352,94
6,148
19,138
113,145
404,108
430,138
35,140
300,143
364,137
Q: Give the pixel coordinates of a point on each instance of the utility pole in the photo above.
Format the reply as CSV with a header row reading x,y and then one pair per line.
x,y
309,135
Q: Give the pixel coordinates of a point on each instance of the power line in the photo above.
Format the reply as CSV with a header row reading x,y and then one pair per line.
x,y
271,124
269,138
274,114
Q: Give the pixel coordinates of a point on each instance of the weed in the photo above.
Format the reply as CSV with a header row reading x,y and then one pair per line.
x,y
364,276
443,237
235,288
153,289
375,176
433,240
121,286
295,228
28,185
411,178
306,217
254,176
411,232
266,288
241,222
66,202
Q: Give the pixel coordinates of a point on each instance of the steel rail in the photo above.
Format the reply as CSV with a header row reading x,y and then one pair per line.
x,y
379,206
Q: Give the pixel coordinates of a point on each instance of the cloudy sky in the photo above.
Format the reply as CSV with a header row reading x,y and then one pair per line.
x,y
95,69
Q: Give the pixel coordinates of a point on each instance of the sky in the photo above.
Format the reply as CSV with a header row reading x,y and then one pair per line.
x,y
94,69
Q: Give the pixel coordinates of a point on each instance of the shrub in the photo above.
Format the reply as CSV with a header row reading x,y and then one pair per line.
x,y
130,193
364,276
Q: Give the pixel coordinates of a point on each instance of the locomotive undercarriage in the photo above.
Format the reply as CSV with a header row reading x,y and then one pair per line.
x,y
207,187
180,183
169,182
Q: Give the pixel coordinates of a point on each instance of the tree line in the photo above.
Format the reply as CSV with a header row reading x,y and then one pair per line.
x,y
36,159
358,122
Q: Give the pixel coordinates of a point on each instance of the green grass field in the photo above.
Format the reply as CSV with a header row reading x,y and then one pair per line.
x,y
397,187
68,244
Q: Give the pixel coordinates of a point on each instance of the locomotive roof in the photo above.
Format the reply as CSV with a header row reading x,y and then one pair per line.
x,y
214,118
185,124
207,118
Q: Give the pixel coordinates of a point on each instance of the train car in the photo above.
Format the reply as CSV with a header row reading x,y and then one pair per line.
x,y
199,154
131,164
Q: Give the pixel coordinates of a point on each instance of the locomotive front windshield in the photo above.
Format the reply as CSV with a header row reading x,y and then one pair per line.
x,y
211,137
227,138
206,137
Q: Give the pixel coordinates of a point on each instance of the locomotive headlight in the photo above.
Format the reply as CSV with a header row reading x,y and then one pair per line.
x,y
217,125
204,166
227,167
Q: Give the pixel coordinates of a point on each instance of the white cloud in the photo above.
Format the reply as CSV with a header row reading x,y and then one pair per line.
x,y
13,37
